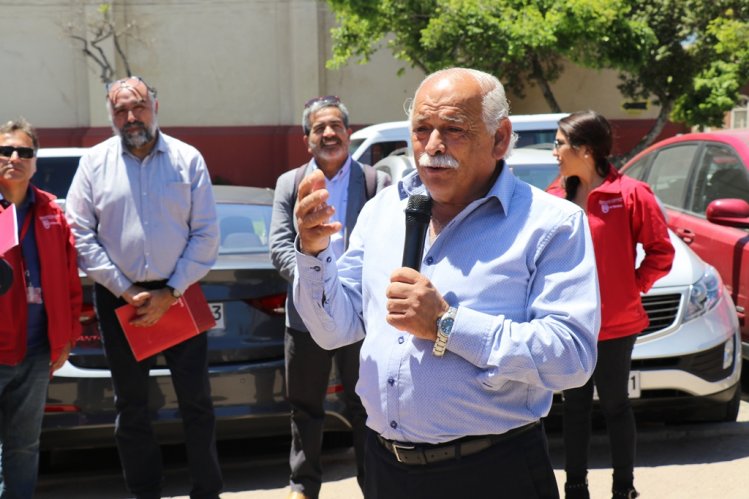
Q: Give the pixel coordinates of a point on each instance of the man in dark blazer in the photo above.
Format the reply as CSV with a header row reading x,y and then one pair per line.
x,y
327,136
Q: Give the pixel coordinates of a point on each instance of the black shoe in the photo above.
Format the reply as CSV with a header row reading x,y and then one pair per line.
x,y
576,490
630,493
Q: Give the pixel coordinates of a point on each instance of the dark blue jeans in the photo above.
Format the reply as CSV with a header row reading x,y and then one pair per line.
x,y
139,450
23,392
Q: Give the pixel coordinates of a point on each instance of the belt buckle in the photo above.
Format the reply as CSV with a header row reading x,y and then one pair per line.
x,y
397,446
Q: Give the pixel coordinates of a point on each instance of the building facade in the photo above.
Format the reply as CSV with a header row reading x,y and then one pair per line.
x,y
232,77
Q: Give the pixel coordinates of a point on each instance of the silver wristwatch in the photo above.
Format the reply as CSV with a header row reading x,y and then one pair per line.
x,y
444,327
175,292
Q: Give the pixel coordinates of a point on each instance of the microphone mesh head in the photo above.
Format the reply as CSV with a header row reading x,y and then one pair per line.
x,y
419,208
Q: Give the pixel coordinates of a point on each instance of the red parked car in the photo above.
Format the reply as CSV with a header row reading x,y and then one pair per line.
x,y
703,180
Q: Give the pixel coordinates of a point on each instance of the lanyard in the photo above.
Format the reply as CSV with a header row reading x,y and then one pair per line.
x,y
21,236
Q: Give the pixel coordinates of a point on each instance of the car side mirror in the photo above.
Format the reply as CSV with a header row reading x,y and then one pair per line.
x,y
730,212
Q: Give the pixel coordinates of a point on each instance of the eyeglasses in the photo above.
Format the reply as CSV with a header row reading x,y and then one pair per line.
x,y
123,84
23,152
328,99
559,143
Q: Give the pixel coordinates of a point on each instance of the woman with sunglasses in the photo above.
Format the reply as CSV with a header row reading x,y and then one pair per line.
x,y
622,212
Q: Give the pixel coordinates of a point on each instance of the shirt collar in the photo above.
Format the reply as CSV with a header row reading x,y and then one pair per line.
x,y
343,171
611,183
502,188
30,198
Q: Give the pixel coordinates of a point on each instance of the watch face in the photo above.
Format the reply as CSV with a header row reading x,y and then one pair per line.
x,y
446,325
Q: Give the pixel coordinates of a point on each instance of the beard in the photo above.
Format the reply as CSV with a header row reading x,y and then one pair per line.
x,y
438,161
136,134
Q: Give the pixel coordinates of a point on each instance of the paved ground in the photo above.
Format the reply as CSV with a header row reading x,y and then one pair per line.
x,y
682,462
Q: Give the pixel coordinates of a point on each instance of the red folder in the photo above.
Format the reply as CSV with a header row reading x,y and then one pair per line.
x,y
8,229
187,317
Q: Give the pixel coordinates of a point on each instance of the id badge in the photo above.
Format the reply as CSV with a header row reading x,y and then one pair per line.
x,y
34,295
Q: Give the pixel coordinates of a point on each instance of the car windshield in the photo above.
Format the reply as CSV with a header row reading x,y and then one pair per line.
x,y
537,175
244,228
541,139
55,174
354,145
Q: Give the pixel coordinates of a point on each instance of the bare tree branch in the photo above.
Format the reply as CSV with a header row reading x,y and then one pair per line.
x,y
95,34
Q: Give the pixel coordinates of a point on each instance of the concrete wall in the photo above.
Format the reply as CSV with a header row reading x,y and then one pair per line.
x,y
232,77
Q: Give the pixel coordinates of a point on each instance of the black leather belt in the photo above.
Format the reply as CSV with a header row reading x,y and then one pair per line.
x,y
408,453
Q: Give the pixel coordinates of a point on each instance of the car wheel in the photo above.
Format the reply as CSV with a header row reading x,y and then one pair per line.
x,y
732,407
726,412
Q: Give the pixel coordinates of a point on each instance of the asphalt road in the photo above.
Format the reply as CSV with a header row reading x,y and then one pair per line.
x,y
681,462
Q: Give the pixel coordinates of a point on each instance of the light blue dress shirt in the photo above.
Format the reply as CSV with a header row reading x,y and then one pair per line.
x,y
139,221
519,265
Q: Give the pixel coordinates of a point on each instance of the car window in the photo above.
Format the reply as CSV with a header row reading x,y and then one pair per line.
x,y
669,172
637,169
538,175
720,174
354,145
379,150
244,228
55,174
536,138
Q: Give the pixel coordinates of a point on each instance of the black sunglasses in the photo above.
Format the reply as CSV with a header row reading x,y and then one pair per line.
x,y
23,152
327,99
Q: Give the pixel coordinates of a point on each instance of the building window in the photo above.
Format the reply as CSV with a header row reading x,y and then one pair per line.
x,y
740,113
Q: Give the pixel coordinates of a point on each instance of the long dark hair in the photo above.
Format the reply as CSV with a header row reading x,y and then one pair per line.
x,y
590,129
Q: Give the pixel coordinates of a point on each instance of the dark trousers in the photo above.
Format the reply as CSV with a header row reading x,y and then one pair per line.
x,y
611,377
138,448
307,374
516,468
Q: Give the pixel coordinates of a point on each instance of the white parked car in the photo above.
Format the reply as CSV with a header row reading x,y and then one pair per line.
x,y
686,365
55,168
371,144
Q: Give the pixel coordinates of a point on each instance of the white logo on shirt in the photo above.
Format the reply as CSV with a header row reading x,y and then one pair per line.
x,y
49,220
609,204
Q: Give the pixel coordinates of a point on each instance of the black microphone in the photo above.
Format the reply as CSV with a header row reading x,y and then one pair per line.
x,y
418,213
6,276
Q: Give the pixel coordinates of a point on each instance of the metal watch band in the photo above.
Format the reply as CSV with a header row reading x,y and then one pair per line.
x,y
444,327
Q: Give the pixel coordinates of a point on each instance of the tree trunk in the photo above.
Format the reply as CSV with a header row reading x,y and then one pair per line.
x,y
540,78
660,122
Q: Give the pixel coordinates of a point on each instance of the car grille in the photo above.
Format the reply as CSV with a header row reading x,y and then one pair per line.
x,y
662,311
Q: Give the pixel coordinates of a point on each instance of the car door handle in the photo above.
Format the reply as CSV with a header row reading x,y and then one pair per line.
x,y
685,234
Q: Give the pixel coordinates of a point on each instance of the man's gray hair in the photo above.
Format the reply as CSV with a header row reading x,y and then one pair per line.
x,y
21,125
494,105
322,102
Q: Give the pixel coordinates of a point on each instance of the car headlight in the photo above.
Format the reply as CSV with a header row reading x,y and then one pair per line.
x,y
704,294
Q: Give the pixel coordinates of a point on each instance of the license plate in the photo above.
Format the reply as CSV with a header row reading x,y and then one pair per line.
x,y
633,386
217,309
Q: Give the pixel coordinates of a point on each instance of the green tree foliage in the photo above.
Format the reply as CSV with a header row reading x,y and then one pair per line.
x,y
690,57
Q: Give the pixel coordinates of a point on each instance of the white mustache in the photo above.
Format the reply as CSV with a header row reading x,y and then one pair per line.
x,y
439,161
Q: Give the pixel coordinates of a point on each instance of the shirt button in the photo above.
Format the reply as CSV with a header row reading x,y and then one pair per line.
x,y
316,268
329,259
430,260
393,424
391,381
401,339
